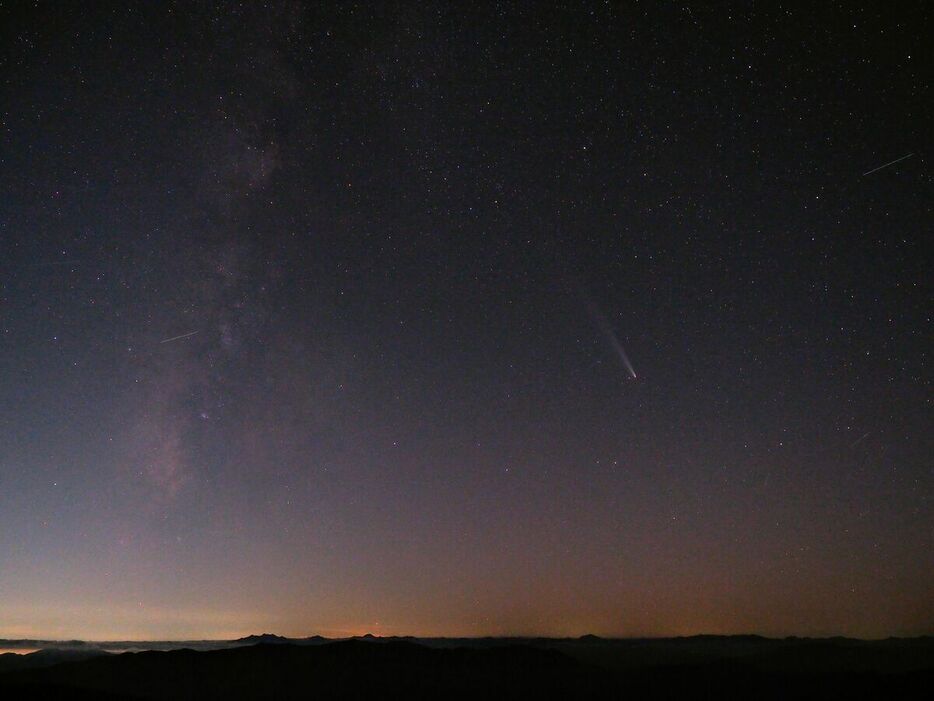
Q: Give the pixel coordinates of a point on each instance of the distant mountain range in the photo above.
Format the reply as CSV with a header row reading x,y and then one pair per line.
x,y
262,638
271,666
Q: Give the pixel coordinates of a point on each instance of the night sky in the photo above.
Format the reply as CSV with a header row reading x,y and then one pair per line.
x,y
463,319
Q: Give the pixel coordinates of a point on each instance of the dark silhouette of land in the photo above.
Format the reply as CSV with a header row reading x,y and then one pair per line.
x,y
272,667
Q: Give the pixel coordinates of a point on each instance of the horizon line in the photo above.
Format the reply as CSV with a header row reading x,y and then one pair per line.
x,y
469,637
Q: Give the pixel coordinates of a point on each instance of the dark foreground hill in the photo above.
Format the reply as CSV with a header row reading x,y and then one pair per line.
x,y
699,668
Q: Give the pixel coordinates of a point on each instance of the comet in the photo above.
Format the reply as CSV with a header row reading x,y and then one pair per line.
x,y
613,339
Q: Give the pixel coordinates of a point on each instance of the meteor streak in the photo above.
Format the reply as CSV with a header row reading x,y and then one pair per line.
x,y
176,338
886,165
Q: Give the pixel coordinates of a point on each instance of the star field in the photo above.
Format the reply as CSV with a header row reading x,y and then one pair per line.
x,y
426,319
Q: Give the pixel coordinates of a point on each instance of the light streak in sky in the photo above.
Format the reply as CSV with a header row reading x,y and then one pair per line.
x,y
611,336
886,165
176,338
